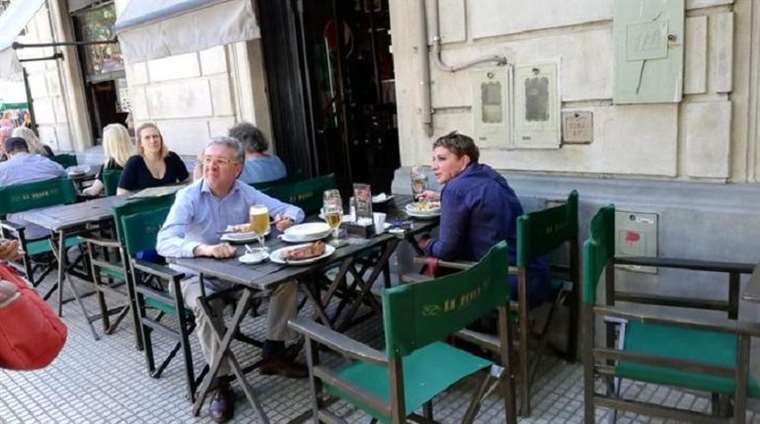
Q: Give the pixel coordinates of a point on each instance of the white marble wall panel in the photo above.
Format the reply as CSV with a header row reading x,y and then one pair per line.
x,y
452,17
721,52
186,99
64,138
696,4
38,84
628,140
186,136
490,18
53,83
59,109
695,56
218,126
213,61
221,96
174,67
139,103
137,73
43,110
708,139
47,136
585,65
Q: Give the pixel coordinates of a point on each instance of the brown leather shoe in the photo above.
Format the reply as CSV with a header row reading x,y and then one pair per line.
x,y
284,367
222,406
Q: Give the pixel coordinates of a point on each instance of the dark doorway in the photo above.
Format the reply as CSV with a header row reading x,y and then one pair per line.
x,y
331,82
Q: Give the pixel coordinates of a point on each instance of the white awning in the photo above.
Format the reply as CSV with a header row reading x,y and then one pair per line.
x,y
12,22
151,29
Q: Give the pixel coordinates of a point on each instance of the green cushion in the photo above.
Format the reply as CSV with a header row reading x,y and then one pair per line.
x,y
37,247
157,304
427,372
707,347
116,275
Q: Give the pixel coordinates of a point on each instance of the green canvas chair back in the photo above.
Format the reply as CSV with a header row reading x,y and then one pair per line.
x,y
597,251
141,229
540,232
415,315
111,179
23,197
136,206
65,159
306,194
290,179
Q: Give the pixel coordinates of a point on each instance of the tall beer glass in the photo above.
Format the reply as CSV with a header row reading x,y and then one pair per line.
x,y
259,215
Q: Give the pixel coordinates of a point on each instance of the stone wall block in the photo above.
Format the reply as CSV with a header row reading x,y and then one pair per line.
x,y
221,96
695,56
38,85
213,61
137,73
186,99
698,4
721,52
53,83
218,126
139,103
43,110
451,21
185,137
708,139
174,67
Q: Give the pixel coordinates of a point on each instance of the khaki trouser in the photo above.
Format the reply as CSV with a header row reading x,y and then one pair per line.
x,y
283,305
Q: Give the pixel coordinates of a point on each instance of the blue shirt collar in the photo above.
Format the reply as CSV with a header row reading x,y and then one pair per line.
x,y
206,189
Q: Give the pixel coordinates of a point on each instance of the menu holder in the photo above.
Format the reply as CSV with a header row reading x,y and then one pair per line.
x,y
362,224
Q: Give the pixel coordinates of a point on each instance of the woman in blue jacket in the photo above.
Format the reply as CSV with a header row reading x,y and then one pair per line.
x,y
478,209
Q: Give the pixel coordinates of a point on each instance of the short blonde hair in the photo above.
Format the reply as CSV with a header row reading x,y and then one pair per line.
x,y
35,146
117,144
145,126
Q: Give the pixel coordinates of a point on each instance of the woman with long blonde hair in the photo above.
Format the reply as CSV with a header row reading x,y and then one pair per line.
x,y
117,149
34,143
155,166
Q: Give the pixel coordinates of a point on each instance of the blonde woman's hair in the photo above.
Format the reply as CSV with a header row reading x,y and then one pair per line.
x,y
35,146
145,126
117,144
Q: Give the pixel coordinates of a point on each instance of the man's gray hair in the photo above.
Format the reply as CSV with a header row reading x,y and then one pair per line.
x,y
231,143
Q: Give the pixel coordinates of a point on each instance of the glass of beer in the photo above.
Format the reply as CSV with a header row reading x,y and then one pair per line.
x,y
332,210
259,216
418,180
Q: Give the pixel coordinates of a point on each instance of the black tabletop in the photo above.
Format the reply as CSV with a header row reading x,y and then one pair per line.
x,y
56,218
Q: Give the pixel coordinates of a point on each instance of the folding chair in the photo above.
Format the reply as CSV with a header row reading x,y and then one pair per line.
x,y
539,233
694,354
110,179
24,197
306,194
416,365
65,159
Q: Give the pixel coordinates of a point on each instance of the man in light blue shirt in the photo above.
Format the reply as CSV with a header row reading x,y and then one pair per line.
x,y
199,214
23,167
259,166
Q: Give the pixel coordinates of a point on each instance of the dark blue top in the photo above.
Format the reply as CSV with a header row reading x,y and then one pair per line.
x,y
479,209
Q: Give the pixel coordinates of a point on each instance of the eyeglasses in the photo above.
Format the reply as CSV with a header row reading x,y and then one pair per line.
x,y
220,162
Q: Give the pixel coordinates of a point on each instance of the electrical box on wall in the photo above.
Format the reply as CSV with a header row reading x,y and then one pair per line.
x,y
648,36
492,106
636,235
537,106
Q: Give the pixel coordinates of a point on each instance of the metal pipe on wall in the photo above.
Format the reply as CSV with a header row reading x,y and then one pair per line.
x,y
426,110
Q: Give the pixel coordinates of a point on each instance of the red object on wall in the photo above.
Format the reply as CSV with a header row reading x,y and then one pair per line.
x,y
632,237
31,334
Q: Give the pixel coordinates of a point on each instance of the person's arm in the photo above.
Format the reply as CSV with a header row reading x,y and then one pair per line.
x,y
278,208
171,239
455,216
128,182
95,189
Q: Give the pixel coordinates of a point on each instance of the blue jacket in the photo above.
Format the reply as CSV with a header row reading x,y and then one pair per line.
x,y
479,209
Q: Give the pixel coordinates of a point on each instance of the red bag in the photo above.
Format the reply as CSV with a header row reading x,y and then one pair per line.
x,y
31,334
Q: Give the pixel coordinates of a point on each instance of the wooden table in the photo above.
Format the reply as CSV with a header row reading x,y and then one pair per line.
x,y
355,258
64,221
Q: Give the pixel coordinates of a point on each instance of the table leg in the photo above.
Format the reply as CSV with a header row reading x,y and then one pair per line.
x,y
224,338
62,259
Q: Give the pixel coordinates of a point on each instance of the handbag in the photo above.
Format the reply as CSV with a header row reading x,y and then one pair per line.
x,y
31,334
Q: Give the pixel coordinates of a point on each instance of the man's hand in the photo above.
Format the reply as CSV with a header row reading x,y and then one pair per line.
x,y
9,250
219,251
429,195
282,222
8,293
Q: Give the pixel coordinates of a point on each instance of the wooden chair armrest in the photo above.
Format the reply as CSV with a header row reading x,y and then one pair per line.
x,y
337,341
161,271
746,328
461,265
752,290
414,278
692,264
102,242
483,340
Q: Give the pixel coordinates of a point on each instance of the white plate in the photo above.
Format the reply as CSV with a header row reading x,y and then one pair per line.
x,y
412,211
254,258
288,239
276,256
308,231
427,215
381,198
240,237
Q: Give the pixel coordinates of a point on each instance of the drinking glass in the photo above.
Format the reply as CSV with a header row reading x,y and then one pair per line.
x,y
418,181
332,210
259,216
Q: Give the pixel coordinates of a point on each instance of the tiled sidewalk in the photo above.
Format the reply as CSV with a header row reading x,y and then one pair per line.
x,y
106,382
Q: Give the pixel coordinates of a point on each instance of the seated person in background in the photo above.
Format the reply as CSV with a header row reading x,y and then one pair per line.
x,y
34,143
155,166
117,149
23,167
4,134
478,209
200,213
259,166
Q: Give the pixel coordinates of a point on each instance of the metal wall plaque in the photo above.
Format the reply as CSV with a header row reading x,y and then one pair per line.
x,y
537,106
578,127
